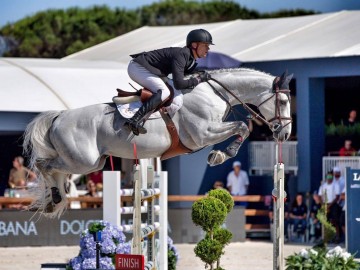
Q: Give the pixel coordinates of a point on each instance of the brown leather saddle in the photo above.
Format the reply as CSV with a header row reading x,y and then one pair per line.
x,y
177,147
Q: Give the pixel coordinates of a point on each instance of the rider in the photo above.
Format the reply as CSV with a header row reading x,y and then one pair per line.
x,y
150,69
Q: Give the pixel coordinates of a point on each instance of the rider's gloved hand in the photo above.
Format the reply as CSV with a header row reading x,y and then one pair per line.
x,y
204,76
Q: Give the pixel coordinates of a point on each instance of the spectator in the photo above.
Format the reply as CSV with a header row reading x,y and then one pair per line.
x,y
351,120
218,184
91,187
315,225
347,150
238,182
330,193
342,204
338,178
95,177
92,192
298,214
19,174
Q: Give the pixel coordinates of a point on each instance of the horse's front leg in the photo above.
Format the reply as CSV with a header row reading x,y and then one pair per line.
x,y
217,157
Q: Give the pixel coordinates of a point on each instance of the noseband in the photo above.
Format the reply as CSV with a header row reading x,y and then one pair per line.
x,y
275,128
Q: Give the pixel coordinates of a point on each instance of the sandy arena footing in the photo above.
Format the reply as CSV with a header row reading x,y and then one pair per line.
x,y
254,255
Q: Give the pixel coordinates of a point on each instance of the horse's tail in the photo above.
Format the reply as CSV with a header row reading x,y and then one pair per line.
x,y
38,147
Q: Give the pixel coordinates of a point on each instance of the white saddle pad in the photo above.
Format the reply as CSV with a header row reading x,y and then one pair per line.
x,y
128,110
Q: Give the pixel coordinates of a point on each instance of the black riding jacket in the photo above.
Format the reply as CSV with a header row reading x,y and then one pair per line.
x,y
176,61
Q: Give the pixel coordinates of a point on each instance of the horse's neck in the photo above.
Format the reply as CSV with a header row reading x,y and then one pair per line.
x,y
247,85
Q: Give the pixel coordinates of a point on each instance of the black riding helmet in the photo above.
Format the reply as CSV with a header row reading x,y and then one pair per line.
x,y
198,35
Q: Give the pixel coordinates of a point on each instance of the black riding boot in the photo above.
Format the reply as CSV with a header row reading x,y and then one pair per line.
x,y
134,124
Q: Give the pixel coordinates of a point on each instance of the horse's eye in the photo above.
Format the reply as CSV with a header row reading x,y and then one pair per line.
x,y
283,102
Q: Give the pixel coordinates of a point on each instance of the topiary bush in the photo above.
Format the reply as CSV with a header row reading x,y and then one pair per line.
x,y
210,213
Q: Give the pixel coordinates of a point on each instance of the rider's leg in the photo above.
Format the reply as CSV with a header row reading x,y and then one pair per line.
x,y
155,84
134,124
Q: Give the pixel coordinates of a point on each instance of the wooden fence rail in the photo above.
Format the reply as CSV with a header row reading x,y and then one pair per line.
x,y
91,201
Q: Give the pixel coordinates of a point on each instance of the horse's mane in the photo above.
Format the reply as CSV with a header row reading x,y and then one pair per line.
x,y
233,70
228,70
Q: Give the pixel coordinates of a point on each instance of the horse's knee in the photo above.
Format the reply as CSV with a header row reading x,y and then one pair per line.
x,y
244,130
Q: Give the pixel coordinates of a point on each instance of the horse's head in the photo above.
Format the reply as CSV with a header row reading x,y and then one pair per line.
x,y
275,107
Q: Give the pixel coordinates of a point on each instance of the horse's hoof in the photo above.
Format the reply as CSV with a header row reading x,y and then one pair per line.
x,y
216,157
55,193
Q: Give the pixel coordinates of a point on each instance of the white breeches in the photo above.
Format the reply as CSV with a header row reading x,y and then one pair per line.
x,y
148,80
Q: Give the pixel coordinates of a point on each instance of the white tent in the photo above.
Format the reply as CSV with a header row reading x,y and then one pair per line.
x,y
92,75
313,36
35,85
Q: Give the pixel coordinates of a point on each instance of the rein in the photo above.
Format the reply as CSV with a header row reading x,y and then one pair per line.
x,y
276,128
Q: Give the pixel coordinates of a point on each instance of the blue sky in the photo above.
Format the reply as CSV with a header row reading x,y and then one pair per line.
x,y
13,10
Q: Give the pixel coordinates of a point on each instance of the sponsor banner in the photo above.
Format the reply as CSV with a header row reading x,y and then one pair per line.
x,y
353,211
20,228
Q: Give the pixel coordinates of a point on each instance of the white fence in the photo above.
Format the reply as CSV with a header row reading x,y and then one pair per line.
x,y
262,157
328,163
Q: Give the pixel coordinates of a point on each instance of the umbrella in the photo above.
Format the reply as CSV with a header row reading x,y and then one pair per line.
x,y
215,60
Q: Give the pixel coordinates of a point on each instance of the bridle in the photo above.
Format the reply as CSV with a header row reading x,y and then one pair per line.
x,y
275,128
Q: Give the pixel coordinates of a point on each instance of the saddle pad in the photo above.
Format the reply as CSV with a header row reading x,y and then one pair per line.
x,y
128,110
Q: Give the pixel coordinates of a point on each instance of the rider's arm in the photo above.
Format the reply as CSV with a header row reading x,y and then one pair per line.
x,y
178,68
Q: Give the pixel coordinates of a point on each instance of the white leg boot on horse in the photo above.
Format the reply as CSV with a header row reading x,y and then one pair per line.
x,y
217,157
134,124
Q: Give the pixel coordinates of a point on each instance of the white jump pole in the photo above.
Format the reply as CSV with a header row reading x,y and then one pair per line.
x,y
163,219
279,196
111,197
136,240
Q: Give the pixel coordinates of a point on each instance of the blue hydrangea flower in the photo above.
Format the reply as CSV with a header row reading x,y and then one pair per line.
x,y
123,248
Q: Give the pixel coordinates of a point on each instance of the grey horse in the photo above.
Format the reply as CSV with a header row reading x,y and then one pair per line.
x,y
78,141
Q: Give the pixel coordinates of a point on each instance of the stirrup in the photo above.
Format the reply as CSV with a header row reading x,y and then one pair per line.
x,y
135,128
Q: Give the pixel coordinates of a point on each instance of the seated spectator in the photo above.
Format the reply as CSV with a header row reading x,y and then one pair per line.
x,y
286,217
351,120
19,173
218,184
315,225
92,192
347,150
91,187
95,177
298,214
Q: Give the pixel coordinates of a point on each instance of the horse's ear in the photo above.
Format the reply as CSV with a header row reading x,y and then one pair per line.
x,y
286,80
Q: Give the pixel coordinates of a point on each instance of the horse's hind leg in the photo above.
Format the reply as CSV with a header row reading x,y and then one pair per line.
x,y
217,157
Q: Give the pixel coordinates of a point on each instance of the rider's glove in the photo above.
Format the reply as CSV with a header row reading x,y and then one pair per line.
x,y
204,76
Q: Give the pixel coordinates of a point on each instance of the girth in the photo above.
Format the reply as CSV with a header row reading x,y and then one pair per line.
x,y
177,147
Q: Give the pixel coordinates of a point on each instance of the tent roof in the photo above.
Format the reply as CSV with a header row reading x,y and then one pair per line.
x,y
313,36
35,85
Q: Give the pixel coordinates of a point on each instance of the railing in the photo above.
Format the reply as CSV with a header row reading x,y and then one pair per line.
x,y
262,157
328,163
258,199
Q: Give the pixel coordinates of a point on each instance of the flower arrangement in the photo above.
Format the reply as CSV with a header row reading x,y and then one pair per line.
x,y
321,259
173,255
112,242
